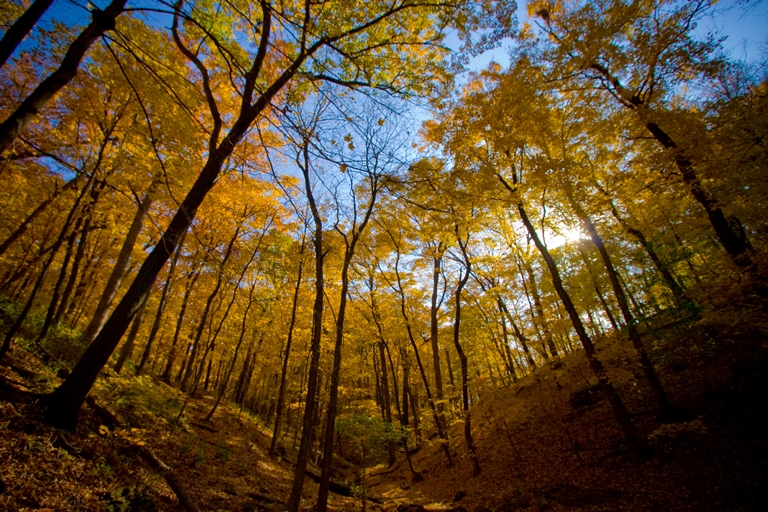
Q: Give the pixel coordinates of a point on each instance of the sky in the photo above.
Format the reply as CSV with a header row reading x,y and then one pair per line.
x,y
744,24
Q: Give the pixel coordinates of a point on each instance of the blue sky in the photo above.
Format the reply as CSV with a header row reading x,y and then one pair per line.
x,y
743,23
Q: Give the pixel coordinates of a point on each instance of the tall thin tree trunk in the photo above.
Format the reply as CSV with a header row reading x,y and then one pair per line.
x,y
207,310
191,280
222,388
77,180
161,307
599,292
102,21
350,241
541,319
463,357
20,28
430,399
639,445
302,457
127,349
66,296
84,214
118,271
43,273
287,354
729,230
645,361
678,293
433,333
518,334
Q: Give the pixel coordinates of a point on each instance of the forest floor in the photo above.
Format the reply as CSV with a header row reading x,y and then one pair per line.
x,y
547,442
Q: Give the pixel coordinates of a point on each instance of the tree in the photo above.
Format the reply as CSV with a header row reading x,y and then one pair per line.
x,y
639,53
102,21
20,28
294,47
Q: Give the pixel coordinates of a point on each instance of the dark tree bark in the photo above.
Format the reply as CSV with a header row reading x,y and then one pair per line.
x,y
599,292
540,319
682,300
667,411
433,331
396,391
20,28
462,356
102,21
287,354
191,280
207,310
236,288
620,412
351,239
386,399
518,334
43,273
382,373
212,337
310,406
161,308
430,400
86,213
118,270
127,348
73,183
67,295
508,360
729,230
53,304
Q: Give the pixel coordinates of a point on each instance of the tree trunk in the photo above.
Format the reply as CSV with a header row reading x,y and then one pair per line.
x,y
85,214
118,271
540,318
350,241
302,458
161,307
600,297
462,356
287,355
645,361
433,331
20,28
67,295
438,425
37,211
191,280
729,230
43,272
127,349
222,388
206,311
682,300
102,21
638,444
53,305
396,391
518,334
386,399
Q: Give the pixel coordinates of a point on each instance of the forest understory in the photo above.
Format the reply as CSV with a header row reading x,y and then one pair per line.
x,y
547,442
392,255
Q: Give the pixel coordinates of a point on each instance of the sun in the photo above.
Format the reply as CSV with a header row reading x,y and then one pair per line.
x,y
564,235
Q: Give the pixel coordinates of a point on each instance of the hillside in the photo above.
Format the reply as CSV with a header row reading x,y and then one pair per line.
x,y
547,442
